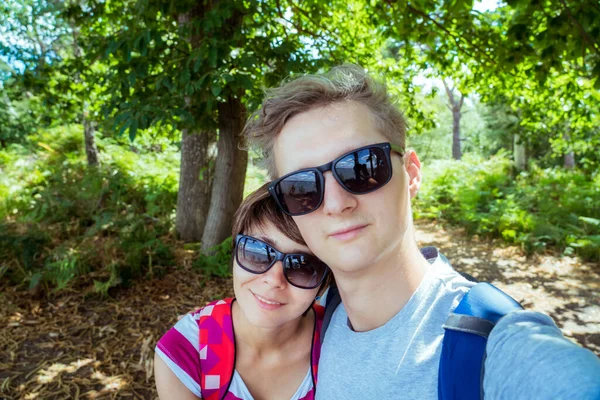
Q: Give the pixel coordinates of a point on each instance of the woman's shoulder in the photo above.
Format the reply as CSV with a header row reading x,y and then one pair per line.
x,y
188,327
213,321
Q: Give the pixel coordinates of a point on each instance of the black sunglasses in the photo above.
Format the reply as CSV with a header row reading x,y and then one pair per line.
x,y
360,171
300,270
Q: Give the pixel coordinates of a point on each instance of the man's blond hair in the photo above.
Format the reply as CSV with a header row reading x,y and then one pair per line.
x,y
343,83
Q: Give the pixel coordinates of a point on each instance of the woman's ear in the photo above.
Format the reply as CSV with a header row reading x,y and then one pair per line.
x,y
413,169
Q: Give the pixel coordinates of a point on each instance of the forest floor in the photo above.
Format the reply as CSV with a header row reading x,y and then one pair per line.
x,y
76,345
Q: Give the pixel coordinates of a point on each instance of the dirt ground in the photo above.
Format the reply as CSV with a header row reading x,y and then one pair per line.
x,y
76,345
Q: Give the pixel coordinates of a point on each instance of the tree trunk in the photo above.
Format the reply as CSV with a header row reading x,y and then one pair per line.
x,y
89,134
229,174
194,185
569,161
91,151
194,178
456,150
519,153
455,105
198,215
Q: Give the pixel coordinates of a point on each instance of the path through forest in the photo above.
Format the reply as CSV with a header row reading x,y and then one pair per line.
x,y
76,345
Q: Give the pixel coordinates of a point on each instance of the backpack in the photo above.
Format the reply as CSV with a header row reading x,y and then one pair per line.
x,y
467,328
217,348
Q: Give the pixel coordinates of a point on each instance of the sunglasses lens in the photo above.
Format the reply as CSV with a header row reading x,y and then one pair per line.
x,y
364,170
254,256
299,193
304,271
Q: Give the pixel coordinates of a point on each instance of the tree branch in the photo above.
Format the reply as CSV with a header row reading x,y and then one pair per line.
x,y
449,92
586,37
280,13
456,38
329,33
593,4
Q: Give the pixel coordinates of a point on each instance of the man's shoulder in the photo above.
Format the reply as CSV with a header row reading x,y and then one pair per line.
x,y
446,281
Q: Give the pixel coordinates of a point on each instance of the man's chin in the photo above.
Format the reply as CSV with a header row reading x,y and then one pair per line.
x,y
350,265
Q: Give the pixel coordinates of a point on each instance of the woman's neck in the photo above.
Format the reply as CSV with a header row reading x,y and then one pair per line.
x,y
267,340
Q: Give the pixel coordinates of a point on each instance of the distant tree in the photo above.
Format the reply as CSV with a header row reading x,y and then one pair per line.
x,y
43,47
536,55
455,103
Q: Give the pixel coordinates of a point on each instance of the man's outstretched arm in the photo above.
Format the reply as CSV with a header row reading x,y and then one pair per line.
x,y
529,358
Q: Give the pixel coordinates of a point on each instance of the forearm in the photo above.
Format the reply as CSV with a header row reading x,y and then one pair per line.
x,y
528,357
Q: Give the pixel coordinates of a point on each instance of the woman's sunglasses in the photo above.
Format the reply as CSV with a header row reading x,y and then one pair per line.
x,y
257,257
360,171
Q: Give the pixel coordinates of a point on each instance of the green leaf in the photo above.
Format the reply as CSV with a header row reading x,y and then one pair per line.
x,y
133,129
124,127
185,76
212,57
216,90
228,78
245,82
167,82
592,221
112,46
35,280
197,64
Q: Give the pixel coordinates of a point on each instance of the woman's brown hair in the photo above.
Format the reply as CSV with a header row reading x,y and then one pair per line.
x,y
259,208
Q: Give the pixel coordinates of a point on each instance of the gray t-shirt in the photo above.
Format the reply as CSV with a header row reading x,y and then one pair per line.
x,y
527,356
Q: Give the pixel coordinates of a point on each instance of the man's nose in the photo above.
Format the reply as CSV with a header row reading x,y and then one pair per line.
x,y
336,199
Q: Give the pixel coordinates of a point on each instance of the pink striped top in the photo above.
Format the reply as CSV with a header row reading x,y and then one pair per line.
x,y
179,348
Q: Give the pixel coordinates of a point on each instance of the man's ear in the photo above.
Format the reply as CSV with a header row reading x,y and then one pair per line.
x,y
412,164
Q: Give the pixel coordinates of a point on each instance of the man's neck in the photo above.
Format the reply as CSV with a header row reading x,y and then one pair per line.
x,y
373,296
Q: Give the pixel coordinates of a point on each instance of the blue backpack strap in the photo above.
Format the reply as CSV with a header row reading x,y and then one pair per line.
x,y
466,331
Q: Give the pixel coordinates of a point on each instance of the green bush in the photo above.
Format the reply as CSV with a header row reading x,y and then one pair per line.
x,y
537,209
63,220
218,262
256,176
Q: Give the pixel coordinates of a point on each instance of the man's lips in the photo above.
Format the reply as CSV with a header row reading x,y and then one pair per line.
x,y
348,233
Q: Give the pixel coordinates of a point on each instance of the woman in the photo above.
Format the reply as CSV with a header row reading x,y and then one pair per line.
x,y
264,344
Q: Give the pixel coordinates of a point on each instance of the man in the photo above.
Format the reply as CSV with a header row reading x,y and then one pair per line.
x,y
384,341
